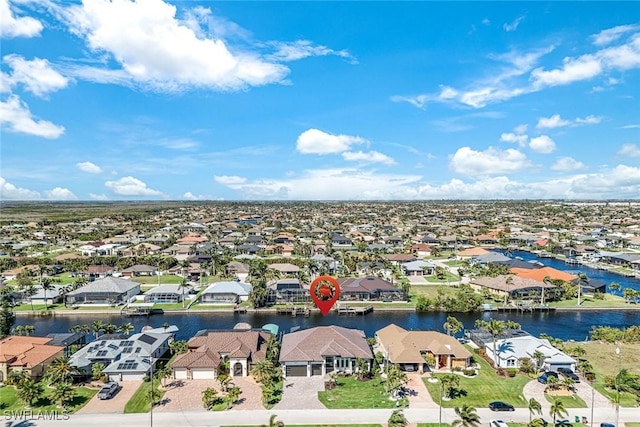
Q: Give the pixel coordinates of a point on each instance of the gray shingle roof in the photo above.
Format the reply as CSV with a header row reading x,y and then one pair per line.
x,y
106,285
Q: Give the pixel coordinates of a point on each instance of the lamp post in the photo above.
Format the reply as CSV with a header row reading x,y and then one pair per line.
x,y
618,388
593,397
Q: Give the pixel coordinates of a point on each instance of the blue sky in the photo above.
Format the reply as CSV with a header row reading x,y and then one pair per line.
x,y
113,100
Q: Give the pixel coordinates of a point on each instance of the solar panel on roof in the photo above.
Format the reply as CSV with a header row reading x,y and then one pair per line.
x,y
127,350
113,346
138,349
102,353
148,339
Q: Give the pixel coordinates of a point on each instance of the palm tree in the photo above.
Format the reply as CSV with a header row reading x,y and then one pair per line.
x,y
29,391
534,408
163,373
557,409
452,325
61,371
110,328
495,328
262,370
397,419
18,330
63,393
126,329
539,358
29,329
448,382
179,347
96,327
233,395
182,286
552,383
47,285
224,380
467,417
614,287
273,422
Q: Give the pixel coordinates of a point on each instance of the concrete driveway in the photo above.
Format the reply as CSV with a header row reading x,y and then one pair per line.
x,y
420,397
116,404
301,393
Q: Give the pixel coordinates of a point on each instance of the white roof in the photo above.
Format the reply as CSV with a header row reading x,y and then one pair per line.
x,y
233,287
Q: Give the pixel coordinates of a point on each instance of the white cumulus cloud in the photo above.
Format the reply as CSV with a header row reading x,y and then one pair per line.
x,y
629,150
17,116
229,180
314,141
567,164
610,35
542,144
520,139
12,26
9,191
89,167
369,157
158,51
37,75
60,193
492,161
555,121
130,186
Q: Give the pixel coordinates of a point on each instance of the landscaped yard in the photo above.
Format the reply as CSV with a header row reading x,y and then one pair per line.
x,y
605,362
351,393
167,279
141,399
608,301
484,388
431,291
9,401
569,401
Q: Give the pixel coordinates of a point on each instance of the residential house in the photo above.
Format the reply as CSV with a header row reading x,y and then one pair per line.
x,y
68,340
420,250
471,253
106,291
238,269
232,292
369,289
30,354
288,290
322,350
409,348
516,287
139,270
167,294
127,359
207,349
285,269
418,268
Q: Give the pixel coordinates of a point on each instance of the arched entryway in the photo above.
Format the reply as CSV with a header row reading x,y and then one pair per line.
x,y
237,369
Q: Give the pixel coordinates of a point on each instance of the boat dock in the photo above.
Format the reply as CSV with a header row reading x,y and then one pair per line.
x,y
294,311
137,309
345,309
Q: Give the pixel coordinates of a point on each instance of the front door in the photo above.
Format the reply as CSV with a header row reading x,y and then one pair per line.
x,y
237,369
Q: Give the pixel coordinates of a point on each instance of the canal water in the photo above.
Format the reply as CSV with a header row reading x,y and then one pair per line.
x,y
566,325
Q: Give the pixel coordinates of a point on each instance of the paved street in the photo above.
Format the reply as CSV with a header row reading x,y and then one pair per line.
x,y
309,416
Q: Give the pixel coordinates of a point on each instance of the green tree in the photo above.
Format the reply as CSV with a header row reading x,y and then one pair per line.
x,y
163,373
467,417
614,287
47,285
183,286
96,370
29,329
495,328
224,380
63,393
61,371
233,395
539,357
179,347
449,383
7,317
96,327
397,419
557,409
262,370
362,369
210,398
18,330
29,391
126,328
273,422
534,408
452,326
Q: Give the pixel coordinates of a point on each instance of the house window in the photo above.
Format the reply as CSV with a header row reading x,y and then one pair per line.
x,y
511,363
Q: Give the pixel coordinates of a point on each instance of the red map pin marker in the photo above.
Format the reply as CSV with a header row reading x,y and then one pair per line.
x,y
325,291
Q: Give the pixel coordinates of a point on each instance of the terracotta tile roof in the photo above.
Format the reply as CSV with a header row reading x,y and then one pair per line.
x,y
315,343
404,346
540,273
500,283
26,352
472,252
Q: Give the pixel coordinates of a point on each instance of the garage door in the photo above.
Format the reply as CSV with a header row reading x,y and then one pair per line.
x,y
316,369
202,374
180,374
297,371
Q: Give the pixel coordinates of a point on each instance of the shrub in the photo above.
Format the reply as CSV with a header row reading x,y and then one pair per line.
x,y
511,372
469,372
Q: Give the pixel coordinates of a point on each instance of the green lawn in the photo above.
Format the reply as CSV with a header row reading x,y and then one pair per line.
x,y
38,307
569,401
140,401
484,388
167,279
10,401
608,301
430,291
448,278
352,393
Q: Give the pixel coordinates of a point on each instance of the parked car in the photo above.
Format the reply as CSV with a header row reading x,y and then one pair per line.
x,y
501,406
569,374
498,423
607,425
544,377
108,390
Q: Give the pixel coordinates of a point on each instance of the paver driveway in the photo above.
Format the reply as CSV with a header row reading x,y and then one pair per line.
x,y
116,404
301,393
186,395
420,397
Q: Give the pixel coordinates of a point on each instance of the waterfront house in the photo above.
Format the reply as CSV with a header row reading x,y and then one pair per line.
x,y
207,349
516,287
127,359
369,289
285,269
139,270
30,354
38,298
68,340
288,290
322,350
167,294
232,292
513,349
410,348
106,291
238,270
471,253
